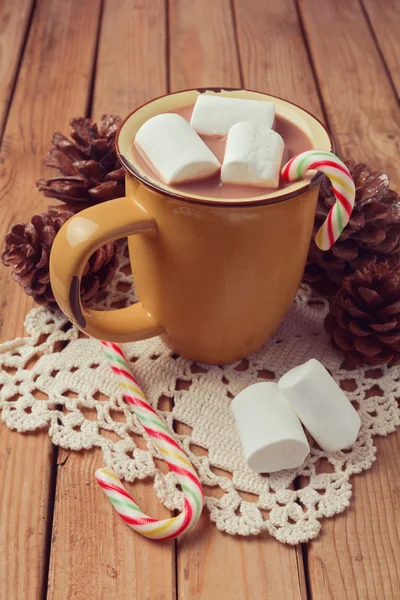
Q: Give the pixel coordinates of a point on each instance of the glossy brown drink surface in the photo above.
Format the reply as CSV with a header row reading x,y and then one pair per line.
x,y
295,139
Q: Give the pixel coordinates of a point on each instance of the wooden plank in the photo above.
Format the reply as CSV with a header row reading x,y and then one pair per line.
x,y
384,17
14,22
268,569
360,103
273,53
123,563
25,468
94,554
52,85
132,66
211,564
357,555
202,45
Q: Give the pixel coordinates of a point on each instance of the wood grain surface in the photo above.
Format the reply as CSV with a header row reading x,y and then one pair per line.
x,y
204,555
132,57
213,565
384,19
340,61
273,54
121,563
52,86
93,553
14,24
360,103
202,45
357,554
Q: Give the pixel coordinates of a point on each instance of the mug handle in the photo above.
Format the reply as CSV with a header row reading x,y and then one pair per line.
x,y
76,241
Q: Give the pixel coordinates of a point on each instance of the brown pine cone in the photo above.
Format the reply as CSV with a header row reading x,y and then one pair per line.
x,y
364,317
371,236
27,251
89,169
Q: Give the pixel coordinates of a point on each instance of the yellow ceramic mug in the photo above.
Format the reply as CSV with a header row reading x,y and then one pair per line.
x,y
216,277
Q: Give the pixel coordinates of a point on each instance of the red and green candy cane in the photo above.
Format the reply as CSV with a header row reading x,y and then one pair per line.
x,y
175,458
342,185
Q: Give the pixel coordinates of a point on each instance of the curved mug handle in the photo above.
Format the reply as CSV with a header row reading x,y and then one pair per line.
x,y
76,241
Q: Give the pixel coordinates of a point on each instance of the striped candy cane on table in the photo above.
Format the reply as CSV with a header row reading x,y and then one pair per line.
x,y
342,185
175,458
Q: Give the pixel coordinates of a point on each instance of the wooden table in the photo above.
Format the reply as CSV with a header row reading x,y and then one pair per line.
x,y
340,59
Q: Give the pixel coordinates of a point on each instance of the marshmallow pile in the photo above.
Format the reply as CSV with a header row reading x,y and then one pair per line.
x,y
253,152
268,418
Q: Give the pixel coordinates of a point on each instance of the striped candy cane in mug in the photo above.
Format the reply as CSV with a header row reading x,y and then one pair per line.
x,y
342,185
175,458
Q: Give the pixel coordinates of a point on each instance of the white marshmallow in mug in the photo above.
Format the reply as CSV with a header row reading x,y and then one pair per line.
x,y
321,405
270,432
215,115
253,156
174,149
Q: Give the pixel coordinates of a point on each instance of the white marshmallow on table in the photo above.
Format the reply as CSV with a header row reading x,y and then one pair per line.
x,y
321,405
215,115
253,155
271,434
175,150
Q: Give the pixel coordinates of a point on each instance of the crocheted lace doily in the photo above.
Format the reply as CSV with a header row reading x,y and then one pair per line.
x,y
57,380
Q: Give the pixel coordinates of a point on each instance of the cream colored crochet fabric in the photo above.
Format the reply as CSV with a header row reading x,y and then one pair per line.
x,y
57,381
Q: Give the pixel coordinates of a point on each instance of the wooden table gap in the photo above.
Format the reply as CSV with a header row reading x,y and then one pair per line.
x,y
16,36
124,563
167,47
92,80
236,38
51,86
303,550
383,18
50,518
311,63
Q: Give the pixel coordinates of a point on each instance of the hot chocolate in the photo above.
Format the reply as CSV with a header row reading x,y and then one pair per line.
x,y
295,139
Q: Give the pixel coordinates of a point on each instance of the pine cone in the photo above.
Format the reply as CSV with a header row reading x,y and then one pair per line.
x,y
364,318
89,169
371,236
27,251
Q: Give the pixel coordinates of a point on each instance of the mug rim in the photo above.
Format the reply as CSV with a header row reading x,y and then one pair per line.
x,y
316,179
